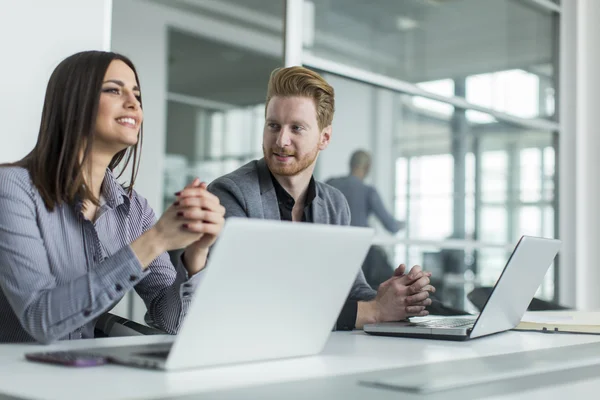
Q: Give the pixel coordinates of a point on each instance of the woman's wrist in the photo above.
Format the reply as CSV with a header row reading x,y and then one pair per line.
x,y
194,259
148,246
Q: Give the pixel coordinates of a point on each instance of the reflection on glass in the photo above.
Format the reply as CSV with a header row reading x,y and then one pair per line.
x,y
513,92
531,174
530,221
548,173
493,224
494,166
401,188
504,172
431,196
503,48
548,222
215,113
470,195
443,87
491,262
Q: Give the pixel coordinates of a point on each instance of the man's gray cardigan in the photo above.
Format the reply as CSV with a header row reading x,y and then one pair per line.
x,y
249,192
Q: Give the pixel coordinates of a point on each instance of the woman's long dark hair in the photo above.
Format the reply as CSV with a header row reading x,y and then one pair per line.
x,y
67,128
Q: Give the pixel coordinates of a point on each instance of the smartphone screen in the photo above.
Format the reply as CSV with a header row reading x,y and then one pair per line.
x,y
68,358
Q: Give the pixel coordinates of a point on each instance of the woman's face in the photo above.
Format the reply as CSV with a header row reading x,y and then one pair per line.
x,y
119,112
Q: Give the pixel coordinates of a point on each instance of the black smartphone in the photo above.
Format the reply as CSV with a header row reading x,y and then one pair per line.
x,y
68,358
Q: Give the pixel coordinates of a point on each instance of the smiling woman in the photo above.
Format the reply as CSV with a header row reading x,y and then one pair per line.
x,y
116,124
73,241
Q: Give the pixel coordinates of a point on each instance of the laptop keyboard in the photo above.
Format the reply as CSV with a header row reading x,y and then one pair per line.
x,y
447,323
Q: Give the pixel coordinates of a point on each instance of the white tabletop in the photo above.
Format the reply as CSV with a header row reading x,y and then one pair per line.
x,y
345,353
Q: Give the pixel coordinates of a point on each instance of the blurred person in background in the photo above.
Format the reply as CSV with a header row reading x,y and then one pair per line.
x,y
364,201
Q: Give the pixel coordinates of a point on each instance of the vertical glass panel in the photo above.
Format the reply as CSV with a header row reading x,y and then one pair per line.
x,y
444,87
401,188
494,224
450,174
470,195
431,180
530,221
548,222
494,166
504,47
215,114
490,264
531,174
512,91
548,173
238,133
217,128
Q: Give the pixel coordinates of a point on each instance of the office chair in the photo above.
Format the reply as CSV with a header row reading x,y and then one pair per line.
x,y
376,267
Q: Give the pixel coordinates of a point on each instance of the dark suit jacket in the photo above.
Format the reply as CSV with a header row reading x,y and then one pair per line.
x,y
249,192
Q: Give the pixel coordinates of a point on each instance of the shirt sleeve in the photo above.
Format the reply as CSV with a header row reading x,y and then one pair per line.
x,y
376,206
167,289
48,311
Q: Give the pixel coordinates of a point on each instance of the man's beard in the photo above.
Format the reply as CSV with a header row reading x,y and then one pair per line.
x,y
290,168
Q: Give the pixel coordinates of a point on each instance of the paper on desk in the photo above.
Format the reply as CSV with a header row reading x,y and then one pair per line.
x,y
569,317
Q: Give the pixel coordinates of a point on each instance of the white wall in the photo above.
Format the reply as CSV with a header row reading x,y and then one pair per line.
x,y
36,35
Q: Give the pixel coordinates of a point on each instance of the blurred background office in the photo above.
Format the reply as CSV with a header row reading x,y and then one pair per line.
x,y
476,112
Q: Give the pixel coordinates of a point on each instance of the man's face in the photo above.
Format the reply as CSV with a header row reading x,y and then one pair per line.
x,y
292,139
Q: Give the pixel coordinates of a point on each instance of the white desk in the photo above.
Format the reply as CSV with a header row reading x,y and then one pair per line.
x,y
346,353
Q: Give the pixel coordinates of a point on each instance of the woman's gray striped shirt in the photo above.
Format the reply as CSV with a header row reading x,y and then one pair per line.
x,y
59,271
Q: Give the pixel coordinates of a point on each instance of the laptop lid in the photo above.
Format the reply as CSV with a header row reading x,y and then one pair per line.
x,y
522,275
520,279
272,289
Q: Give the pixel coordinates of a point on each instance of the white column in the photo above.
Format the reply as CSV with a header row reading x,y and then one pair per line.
x,y
36,36
588,150
579,107
567,155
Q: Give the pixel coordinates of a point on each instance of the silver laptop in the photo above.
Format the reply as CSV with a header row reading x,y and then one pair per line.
x,y
272,290
520,279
